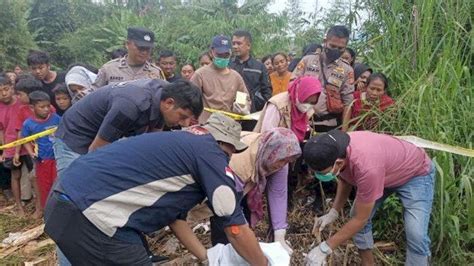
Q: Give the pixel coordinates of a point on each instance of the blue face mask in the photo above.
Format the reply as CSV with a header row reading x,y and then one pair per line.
x,y
221,62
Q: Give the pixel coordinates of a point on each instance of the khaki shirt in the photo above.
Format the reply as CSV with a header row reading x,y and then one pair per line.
x,y
338,73
118,70
218,90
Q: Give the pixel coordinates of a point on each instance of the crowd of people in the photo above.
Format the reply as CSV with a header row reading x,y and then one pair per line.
x,y
141,145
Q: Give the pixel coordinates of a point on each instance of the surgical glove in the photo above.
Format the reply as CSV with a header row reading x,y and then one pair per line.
x,y
321,222
237,108
316,257
279,236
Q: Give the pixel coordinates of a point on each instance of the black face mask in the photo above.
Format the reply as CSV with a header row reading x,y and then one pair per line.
x,y
332,54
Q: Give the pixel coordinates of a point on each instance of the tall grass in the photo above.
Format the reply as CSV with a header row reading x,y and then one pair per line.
x,y
425,47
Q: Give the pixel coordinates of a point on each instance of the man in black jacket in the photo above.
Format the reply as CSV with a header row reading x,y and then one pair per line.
x,y
252,71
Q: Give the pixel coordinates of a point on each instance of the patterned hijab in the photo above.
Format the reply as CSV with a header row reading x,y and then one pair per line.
x,y
276,148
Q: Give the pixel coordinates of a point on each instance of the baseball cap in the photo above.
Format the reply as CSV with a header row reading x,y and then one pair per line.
x,y
225,129
141,37
221,44
321,151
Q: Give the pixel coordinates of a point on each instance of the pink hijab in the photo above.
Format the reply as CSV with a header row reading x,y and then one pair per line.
x,y
303,88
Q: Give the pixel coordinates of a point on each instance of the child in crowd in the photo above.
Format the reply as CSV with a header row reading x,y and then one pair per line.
x,y
26,84
280,77
267,61
45,163
361,74
62,98
349,56
12,76
374,98
187,71
205,59
40,67
9,109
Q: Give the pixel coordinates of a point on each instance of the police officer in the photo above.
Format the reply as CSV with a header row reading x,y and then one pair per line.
x,y
135,65
336,75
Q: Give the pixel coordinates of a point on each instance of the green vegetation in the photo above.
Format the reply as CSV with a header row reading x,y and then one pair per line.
x,y
424,47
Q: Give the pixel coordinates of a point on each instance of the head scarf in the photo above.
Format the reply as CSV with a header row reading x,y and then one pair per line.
x,y
79,75
303,88
274,146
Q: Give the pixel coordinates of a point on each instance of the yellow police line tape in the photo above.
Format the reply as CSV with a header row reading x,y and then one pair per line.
x,y
252,116
28,139
427,144
419,142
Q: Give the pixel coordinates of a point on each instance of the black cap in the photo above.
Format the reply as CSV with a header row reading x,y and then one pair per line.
x,y
321,151
141,37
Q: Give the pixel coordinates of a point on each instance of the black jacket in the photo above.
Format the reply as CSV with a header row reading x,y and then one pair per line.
x,y
256,80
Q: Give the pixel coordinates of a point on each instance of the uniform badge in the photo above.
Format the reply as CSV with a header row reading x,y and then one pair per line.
x,y
147,38
229,173
339,70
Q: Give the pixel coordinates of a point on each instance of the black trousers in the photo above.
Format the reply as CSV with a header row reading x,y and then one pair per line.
x,y
82,242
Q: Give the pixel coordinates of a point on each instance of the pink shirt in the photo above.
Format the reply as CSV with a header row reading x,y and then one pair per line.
x,y
378,161
9,116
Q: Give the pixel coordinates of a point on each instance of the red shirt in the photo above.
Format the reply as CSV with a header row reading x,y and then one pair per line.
x,y
361,106
9,121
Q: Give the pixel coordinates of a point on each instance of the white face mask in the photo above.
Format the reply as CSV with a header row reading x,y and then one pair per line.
x,y
304,107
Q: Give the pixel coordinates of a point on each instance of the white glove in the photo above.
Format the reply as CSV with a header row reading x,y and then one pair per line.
x,y
323,221
316,257
237,108
279,236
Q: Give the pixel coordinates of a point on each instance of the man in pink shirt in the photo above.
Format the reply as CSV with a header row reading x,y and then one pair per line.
x,y
378,165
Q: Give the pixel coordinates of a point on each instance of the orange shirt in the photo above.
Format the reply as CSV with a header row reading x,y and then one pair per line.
x,y
280,84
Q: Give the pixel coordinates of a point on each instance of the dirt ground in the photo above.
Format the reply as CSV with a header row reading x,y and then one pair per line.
x,y
300,219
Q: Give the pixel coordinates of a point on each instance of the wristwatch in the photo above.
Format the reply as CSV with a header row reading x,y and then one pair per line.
x,y
325,248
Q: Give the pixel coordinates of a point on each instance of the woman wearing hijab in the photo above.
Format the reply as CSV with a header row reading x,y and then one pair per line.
x,y
79,82
291,109
257,171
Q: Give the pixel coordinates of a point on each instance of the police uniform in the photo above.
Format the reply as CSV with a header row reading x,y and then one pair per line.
x,y
339,74
118,70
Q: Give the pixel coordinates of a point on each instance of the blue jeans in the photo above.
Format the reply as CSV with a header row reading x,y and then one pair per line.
x,y
417,200
64,157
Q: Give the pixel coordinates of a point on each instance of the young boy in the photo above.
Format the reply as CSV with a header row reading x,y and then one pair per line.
x,y
9,108
38,62
62,99
45,163
26,85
